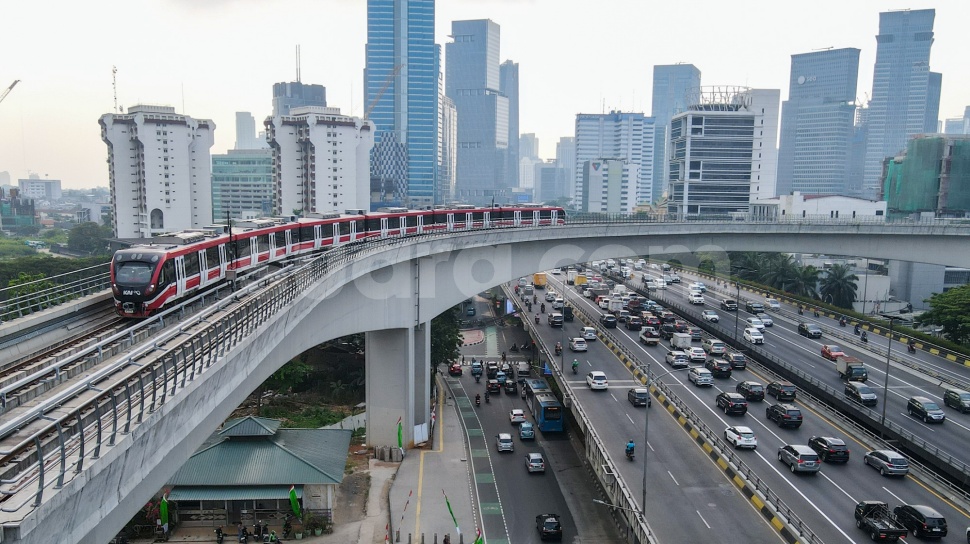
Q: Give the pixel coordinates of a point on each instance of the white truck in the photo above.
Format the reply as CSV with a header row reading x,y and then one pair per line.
x,y
619,291
523,369
680,341
616,305
571,274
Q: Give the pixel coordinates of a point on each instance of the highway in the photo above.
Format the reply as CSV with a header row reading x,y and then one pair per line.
x,y
825,501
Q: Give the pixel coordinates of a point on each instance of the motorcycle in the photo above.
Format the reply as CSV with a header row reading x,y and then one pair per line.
x,y
911,347
857,329
478,378
478,400
842,322
629,454
537,319
558,348
864,338
514,348
486,397
219,535
575,367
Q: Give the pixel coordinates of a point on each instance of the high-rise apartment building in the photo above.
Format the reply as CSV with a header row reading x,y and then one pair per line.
x,y
905,94
931,177
672,85
509,86
242,184
617,135
296,94
473,81
321,160
159,170
817,122
401,99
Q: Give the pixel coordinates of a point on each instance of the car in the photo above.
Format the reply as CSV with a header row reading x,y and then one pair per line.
x,y
719,368
925,409
667,279
477,368
829,449
755,323
782,390
737,360
753,307
924,521
696,334
785,415
534,462
695,297
597,380
470,311
558,303
516,416
731,403
491,369
674,278
887,462
549,527
696,354
773,304
608,321
751,390
639,396
729,305
754,336
503,442
766,319
622,316
667,331
588,333
555,319
681,326
740,437
511,387
577,344
501,377
958,399
832,352
700,376
799,458
677,359
551,296
861,393
713,346
493,386
810,330
698,286
710,315
526,431
634,323
455,369
652,321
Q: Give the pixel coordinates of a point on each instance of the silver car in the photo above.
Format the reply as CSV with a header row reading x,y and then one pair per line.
x,y
887,462
700,376
534,462
766,319
799,458
503,442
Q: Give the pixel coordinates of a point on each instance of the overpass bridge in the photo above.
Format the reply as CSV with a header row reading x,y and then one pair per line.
x,y
113,444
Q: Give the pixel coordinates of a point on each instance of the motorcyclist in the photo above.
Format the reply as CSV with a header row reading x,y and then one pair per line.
x,y
857,328
537,319
842,321
478,398
865,337
542,308
486,395
630,446
219,535
911,345
575,365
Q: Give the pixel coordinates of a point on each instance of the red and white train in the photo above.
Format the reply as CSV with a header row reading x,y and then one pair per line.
x,y
147,278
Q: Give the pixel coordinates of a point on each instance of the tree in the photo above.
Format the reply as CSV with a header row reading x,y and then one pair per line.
x,y
805,283
840,285
951,311
445,337
87,238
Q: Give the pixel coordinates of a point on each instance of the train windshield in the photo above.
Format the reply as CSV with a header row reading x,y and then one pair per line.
x,y
134,272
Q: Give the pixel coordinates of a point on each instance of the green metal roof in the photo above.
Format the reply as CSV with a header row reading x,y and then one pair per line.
x,y
250,426
233,493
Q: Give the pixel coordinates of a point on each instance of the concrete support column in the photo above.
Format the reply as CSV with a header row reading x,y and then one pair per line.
x,y
398,384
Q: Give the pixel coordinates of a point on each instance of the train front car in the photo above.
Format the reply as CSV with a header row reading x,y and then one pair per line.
x,y
135,283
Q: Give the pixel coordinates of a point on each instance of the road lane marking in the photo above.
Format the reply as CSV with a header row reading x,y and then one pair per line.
x,y
844,492
677,483
615,399
895,495
702,519
631,419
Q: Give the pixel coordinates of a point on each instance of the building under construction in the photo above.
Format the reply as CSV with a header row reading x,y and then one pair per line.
x,y
931,177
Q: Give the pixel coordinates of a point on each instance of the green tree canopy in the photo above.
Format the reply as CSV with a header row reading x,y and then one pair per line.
x,y
951,311
445,337
840,285
88,238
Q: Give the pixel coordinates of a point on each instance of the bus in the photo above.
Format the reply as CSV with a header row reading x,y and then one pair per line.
x,y
545,407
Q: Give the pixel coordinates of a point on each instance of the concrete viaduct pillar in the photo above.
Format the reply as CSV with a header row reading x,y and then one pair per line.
x,y
398,368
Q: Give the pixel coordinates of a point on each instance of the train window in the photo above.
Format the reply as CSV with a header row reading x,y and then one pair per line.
x,y
306,234
360,225
242,248
134,273
478,216
166,275
262,243
212,257
411,221
545,214
344,227
374,224
191,264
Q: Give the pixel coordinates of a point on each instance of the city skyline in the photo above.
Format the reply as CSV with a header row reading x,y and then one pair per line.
x,y
48,124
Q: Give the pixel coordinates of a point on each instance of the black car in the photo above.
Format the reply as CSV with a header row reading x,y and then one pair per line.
x,y
810,330
493,386
511,387
751,390
782,391
608,321
667,331
925,409
861,393
830,450
785,415
729,305
925,522
754,307
719,368
957,398
732,403
737,360
634,323
549,527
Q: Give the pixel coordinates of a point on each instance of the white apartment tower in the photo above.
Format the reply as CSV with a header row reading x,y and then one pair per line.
x,y
617,135
321,160
159,170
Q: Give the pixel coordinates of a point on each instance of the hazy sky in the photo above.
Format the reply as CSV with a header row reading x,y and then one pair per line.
x,y
211,58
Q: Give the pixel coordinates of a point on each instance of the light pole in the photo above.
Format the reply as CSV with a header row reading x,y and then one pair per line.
x,y
737,302
889,350
634,510
646,428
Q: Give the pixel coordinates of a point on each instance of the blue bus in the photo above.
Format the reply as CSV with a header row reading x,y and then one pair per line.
x,y
545,407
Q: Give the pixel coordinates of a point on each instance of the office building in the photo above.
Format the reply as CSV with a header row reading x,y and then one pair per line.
x,y
242,184
401,99
627,137
447,150
296,94
159,170
566,161
608,186
474,83
528,160
672,85
509,86
40,189
905,93
547,182
817,122
321,160
246,135
932,177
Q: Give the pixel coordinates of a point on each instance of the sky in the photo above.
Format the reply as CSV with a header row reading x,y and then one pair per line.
x,y
212,58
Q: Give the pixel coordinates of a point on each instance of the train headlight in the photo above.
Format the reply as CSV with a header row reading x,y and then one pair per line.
x,y
150,289
115,290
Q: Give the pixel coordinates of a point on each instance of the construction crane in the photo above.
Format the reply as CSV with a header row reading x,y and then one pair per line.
x,y
10,88
387,83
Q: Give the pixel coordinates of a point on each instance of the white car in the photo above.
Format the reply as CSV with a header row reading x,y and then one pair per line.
x,y
710,315
695,297
551,296
534,462
597,380
577,344
516,416
772,304
740,437
698,286
697,354
754,336
589,333
755,323
503,442
766,319
700,376
558,304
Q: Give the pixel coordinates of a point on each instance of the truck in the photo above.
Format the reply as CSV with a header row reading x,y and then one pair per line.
x,y
580,279
598,292
875,518
539,280
680,340
567,312
649,336
619,291
571,274
851,369
522,369
615,305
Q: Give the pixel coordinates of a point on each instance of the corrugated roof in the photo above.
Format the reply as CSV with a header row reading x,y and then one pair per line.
x,y
233,493
250,426
291,456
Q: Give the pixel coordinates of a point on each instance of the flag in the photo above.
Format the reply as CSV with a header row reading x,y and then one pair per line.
x,y
450,511
479,539
163,510
294,502
400,434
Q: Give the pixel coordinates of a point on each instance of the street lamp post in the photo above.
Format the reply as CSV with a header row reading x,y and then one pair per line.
x,y
737,301
646,428
889,350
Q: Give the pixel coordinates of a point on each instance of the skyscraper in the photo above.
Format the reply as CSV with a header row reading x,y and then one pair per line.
x,y
242,184
509,86
617,135
672,84
905,94
474,83
566,161
817,122
246,136
401,98
296,94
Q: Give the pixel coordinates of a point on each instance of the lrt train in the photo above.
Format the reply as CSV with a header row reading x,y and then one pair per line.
x,y
147,278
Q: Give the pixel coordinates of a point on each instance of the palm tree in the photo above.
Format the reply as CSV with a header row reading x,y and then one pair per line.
x,y
804,282
840,284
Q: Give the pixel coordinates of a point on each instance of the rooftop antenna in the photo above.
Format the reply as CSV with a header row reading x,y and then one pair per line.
x,y
298,63
114,86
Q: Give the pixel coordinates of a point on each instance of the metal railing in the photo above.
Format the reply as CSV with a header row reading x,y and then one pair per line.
x,y
38,295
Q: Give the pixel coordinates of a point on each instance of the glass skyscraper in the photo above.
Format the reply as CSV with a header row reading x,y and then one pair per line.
x,y
905,94
672,84
817,122
401,98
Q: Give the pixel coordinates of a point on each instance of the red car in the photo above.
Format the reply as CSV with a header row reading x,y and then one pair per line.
x,y
455,369
831,352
